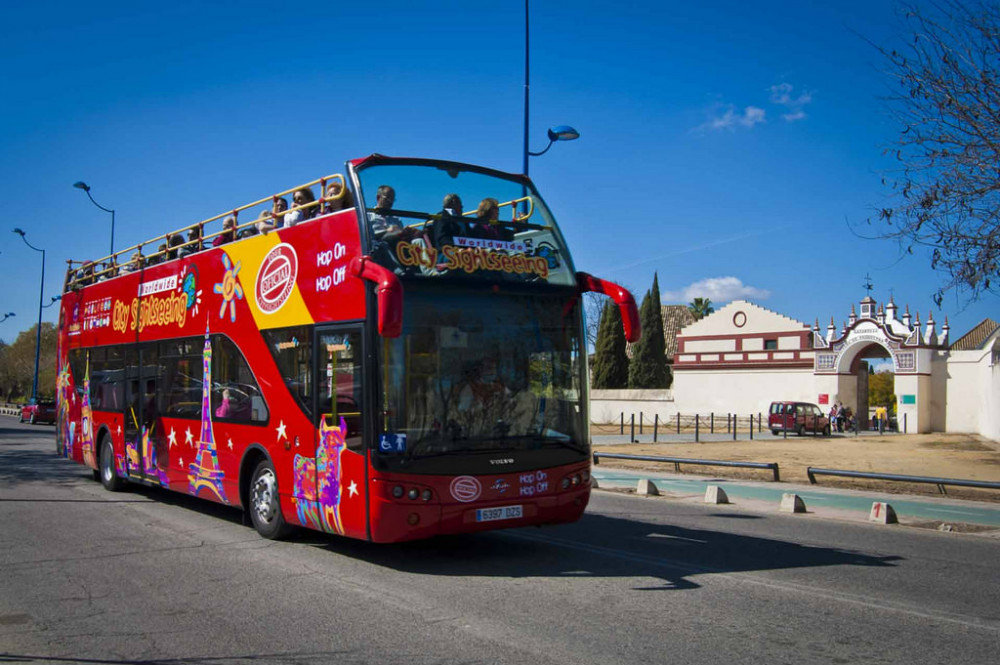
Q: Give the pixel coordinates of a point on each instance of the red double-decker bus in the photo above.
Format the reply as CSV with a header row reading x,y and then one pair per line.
x,y
366,361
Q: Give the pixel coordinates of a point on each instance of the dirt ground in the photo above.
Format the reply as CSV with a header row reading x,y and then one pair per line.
x,y
965,456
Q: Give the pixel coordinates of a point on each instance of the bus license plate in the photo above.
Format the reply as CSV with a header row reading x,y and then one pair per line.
x,y
501,513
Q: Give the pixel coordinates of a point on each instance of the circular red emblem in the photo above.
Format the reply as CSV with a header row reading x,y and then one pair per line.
x,y
465,489
276,278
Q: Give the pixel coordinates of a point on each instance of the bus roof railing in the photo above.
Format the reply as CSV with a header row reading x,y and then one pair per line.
x,y
82,273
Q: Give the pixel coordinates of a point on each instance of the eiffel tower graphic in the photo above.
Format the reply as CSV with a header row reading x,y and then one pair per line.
x,y
87,422
204,472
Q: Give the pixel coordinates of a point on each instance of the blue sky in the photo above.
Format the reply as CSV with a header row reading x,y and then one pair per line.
x,y
725,145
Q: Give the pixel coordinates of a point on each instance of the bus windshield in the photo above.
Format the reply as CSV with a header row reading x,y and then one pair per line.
x,y
434,219
484,372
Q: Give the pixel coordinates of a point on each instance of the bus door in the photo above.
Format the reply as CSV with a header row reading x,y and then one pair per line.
x,y
341,470
142,382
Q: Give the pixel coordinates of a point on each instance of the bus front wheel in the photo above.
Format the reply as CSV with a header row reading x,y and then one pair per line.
x,y
109,478
265,508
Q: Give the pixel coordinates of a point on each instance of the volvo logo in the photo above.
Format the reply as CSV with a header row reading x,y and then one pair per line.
x,y
502,460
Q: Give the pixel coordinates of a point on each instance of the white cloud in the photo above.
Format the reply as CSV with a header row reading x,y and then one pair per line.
x,y
782,94
751,116
719,290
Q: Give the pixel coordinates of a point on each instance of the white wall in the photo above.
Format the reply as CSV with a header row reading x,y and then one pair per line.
x,y
743,391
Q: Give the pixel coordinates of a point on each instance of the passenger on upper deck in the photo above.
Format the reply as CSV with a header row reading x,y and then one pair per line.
x,y
194,241
228,232
173,240
134,264
159,257
449,223
302,197
382,223
86,274
337,198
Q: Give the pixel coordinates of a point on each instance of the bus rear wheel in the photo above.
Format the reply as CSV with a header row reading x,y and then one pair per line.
x,y
264,505
106,467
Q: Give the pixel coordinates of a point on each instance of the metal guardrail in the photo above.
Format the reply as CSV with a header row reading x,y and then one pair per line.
x,y
812,472
677,461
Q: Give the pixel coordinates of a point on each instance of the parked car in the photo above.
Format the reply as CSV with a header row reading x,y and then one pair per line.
x,y
42,411
798,417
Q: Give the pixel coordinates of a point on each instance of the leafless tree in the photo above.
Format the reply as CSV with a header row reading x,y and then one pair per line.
x,y
946,188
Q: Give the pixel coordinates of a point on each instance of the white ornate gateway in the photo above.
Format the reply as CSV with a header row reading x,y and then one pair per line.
x,y
877,332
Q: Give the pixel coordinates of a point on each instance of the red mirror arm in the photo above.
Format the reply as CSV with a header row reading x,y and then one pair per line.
x,y
621,296
388,291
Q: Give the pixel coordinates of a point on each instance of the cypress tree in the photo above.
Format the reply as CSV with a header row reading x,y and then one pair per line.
x,y
648,368
610,361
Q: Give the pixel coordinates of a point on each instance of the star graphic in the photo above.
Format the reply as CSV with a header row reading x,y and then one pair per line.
x,y
172,438
230,442
352,489
188,437
281,431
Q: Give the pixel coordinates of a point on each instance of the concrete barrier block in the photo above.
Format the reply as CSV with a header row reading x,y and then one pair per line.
x,y
882,513
792,503
594,485
646,487
715,494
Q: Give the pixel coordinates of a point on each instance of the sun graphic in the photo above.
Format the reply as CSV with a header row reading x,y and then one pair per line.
x,y
229,288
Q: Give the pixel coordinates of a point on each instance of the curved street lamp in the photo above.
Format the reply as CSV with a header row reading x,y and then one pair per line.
x,y
7,316
55,299
38,331
85,187
560,133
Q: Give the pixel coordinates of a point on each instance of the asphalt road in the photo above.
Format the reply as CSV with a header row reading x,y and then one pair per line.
x,y
148,576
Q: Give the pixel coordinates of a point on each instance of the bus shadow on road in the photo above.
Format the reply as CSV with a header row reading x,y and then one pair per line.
x,y
600,546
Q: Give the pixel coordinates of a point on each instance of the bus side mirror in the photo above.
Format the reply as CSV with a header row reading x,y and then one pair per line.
x,y
621,296
388,291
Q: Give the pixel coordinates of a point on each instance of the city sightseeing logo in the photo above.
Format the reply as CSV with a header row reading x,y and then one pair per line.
x,y
276,278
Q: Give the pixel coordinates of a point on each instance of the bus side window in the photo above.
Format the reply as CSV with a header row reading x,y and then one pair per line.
x,y
181,362
340,371
292,352
235,394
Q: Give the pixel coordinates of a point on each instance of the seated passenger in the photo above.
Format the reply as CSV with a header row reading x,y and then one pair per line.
x,y
194,241
159,257
228,232
302,197
174,240
86,273
337,198
382,223
449,223
134,263
265,221
487,220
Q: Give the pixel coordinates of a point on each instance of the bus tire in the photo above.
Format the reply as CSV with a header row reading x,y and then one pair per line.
x,y
106,467
264,504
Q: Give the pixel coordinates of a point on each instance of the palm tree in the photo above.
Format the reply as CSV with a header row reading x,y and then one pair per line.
x,y
700,308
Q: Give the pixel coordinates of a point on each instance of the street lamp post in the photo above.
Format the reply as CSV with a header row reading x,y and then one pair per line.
x,y
560,133
82,185
55,299
38,331
7,316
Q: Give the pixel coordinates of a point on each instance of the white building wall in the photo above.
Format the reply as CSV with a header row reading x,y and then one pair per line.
x,y
973,389
743,391
607,406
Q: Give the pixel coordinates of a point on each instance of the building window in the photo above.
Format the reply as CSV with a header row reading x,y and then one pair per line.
x,y
770,345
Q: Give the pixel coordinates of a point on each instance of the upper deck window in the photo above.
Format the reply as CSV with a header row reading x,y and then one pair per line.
x,y
440,219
